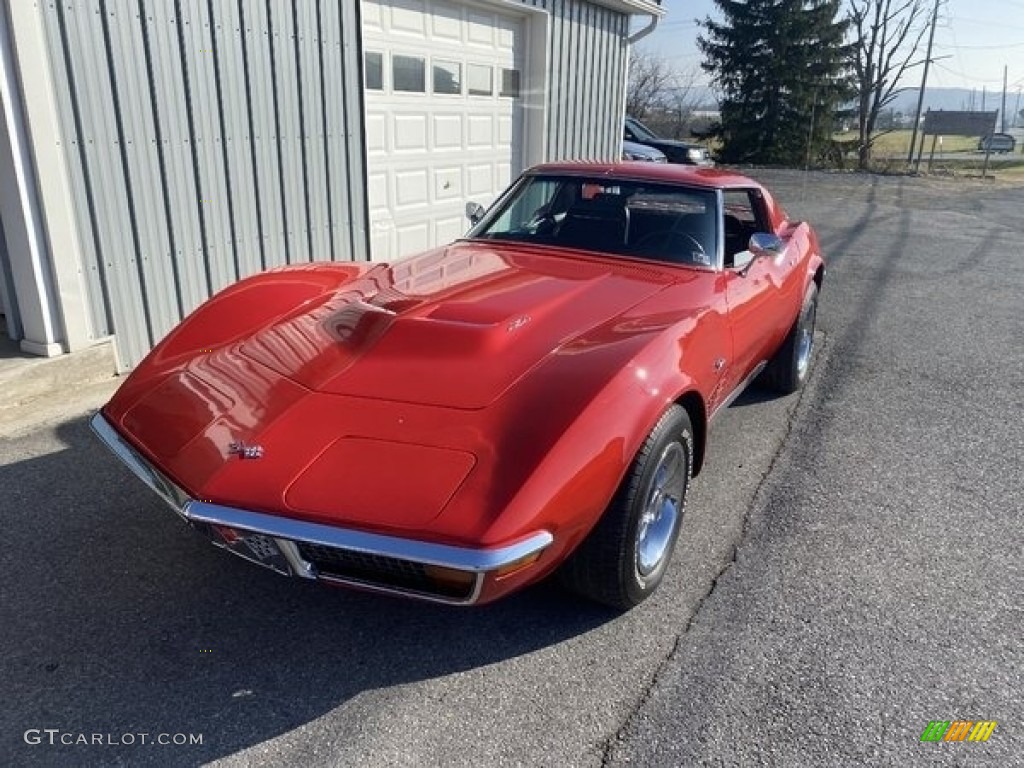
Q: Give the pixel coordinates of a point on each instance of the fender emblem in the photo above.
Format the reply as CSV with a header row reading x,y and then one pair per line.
x,y
518,323
719,364
244,451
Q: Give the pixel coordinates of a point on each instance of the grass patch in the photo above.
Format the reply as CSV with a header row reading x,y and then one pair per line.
x,y
956,156
898,143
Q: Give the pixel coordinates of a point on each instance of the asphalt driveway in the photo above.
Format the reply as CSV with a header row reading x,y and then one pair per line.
x,y
850,569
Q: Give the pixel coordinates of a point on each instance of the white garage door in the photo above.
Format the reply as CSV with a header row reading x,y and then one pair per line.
x,y
443,117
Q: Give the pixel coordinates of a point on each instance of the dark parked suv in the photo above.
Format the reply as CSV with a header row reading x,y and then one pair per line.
x,y
675,151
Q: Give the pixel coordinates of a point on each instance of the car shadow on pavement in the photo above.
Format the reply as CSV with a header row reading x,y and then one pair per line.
x,y
118,619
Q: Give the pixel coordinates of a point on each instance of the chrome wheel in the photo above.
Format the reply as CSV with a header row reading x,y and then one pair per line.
x,y
805,342
661,513
623,559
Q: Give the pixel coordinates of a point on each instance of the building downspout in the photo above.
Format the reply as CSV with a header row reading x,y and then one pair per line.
x,y
643,32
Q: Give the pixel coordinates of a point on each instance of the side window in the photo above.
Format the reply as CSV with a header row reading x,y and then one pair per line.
x,y
744,215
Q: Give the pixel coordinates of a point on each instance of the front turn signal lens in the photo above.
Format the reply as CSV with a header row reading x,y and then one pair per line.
x,y
517,565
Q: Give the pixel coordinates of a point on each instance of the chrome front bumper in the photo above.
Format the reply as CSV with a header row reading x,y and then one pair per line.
x,y
325,553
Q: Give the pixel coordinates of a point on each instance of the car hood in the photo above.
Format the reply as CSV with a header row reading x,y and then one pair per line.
x,y
388,376
455,327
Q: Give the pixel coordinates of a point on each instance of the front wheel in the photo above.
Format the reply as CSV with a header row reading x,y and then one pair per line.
x,y
788,370
623,559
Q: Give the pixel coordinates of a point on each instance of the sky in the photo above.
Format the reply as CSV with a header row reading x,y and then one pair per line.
x,y
979,37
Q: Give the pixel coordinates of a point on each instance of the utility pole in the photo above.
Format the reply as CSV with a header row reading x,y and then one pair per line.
x,y
924,82
1002,111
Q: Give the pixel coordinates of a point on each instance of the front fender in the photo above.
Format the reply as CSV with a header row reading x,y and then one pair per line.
x,y
234,314
249,304
572,481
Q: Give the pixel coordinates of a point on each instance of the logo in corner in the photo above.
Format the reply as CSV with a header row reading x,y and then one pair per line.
x,y
958,730
245,451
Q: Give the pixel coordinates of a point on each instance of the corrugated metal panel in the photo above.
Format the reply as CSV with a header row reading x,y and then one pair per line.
x,y
243,194
104,171
206,140
587,88
210,139
348,160
95,277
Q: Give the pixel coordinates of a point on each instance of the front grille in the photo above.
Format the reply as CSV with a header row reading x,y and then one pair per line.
x,y
380,570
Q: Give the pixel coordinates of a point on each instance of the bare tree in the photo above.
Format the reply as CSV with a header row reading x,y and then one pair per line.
x,y
679,103
661,94
887,35
650,77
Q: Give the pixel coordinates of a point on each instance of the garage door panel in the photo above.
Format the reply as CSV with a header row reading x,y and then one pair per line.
x,y
446,21
410,132
372,15
504,129
382,237
376,133
480,28
377,191
508,32
480,179
409,16
413,237
481,131
453,138
446,230
448,184
410,188
448,131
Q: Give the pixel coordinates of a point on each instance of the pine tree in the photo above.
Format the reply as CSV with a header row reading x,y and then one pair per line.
x,y
780,68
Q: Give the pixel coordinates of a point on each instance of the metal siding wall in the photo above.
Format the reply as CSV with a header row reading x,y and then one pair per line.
x,y
98,302
587,85
206,139
102,156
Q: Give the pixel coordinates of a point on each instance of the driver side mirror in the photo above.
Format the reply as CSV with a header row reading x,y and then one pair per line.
x,y
765,244
762,245
474,212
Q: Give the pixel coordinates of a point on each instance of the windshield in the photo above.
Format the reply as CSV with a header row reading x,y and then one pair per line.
x,y
661,222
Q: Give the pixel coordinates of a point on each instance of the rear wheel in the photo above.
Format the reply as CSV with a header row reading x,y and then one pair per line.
x,y
622,561
788,370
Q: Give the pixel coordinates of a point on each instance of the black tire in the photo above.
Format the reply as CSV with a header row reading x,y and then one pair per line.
x,y
788,370
623,559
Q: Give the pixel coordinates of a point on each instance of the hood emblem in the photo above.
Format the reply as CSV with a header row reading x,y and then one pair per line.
x,y
244,451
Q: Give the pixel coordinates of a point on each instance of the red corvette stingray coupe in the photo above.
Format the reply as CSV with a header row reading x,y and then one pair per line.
x,y
534,397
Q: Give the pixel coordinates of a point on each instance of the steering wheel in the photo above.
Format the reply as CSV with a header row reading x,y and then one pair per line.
x,y
668,242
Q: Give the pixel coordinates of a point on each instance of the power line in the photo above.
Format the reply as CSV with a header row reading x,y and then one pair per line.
x,y
982,80
978,47
988,23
